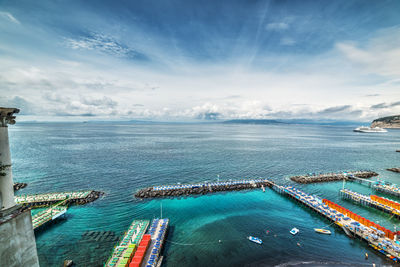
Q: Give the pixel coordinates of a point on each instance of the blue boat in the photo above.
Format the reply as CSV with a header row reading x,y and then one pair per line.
x,y
255,239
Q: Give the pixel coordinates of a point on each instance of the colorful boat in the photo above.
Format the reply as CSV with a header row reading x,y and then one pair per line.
x,y
255,239
322,231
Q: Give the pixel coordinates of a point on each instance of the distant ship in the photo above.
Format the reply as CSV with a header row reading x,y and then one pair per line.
x,y
365,129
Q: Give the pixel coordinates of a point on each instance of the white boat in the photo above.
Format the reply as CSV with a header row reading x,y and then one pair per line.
x,y
365,129
255,239
322,231
294,231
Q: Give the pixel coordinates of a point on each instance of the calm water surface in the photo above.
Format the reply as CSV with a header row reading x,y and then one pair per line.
x,y
120,158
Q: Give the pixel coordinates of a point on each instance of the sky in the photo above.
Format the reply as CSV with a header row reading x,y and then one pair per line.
x,y
200,60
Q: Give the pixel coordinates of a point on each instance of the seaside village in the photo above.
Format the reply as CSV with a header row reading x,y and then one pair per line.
x,y
143,242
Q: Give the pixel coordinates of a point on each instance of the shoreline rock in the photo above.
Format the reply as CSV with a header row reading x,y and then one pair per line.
x,y
18,186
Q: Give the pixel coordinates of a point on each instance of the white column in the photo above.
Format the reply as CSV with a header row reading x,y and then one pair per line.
x,y
6,180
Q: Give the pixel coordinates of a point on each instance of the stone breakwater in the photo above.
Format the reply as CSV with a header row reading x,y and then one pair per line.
x,y
394,169
328,177
18,186
199,190
92,196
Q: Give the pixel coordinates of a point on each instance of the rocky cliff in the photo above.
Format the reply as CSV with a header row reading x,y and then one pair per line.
x,y
387,122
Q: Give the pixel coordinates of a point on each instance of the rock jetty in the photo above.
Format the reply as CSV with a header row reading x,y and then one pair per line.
x,y
18,186
329,177
394,169
150,192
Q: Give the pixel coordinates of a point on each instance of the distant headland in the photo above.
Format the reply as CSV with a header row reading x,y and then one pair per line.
x,y
387,122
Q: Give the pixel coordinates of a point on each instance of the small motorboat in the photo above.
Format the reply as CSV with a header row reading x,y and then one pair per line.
x,y
322,231
294,231
255,239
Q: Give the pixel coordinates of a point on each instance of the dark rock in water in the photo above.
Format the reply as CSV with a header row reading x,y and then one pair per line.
x,y
398,150
394,169
18,186
328,177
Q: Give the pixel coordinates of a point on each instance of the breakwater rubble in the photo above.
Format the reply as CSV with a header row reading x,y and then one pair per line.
x,y
201,189
18,186
394,169
328,177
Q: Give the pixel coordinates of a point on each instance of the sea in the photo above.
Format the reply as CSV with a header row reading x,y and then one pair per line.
x,y
120,158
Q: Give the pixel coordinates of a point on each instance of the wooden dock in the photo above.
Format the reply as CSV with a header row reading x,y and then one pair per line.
x,y
375,235
177,190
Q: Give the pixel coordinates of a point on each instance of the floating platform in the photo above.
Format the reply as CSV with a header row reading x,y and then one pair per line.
x,y
374,201
377,236
48,215
329,177
48,199
201,188
126,248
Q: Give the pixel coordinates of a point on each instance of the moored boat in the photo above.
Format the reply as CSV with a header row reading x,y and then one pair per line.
x,y
294,231
322,231
255,239
364,129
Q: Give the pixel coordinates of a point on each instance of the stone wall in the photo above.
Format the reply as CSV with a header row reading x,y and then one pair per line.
x,y
17,241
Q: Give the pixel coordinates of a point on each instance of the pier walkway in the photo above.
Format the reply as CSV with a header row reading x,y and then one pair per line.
x,y
48,199
158,232
201,188
377,236
124,251
376,202
48,215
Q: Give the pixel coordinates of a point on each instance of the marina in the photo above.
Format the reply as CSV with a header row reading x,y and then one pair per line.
x,y
378,237
201,188
329,177
48,199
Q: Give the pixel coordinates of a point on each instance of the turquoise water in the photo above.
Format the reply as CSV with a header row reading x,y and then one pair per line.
x,y
120,158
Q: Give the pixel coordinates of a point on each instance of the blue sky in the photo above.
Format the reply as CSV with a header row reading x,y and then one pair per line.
x,y
196,60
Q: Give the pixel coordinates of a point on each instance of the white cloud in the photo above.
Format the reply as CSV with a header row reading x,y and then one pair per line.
x,y
380,55
8,16
288,41
277,26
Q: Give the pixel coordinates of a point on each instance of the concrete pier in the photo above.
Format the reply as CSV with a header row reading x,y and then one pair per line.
x,y
328,177
177,190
